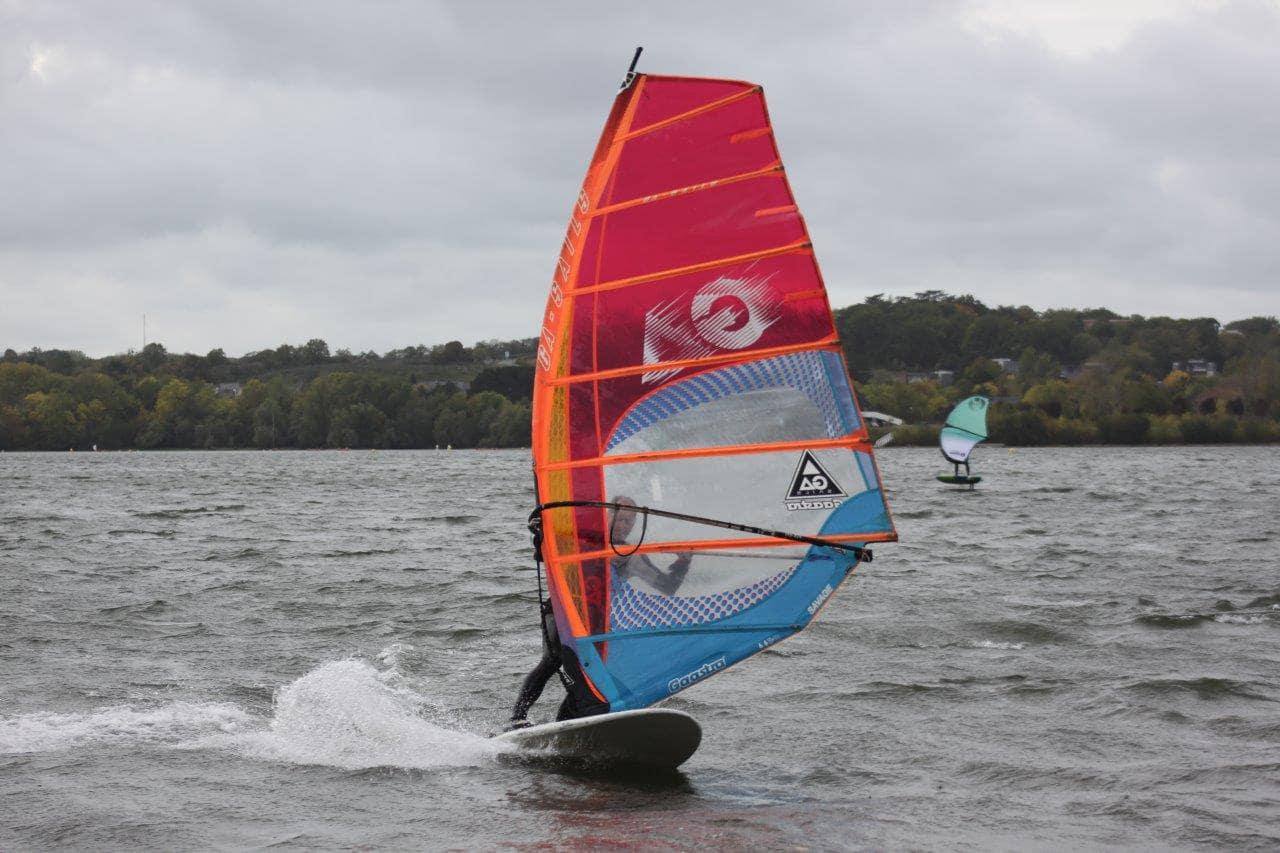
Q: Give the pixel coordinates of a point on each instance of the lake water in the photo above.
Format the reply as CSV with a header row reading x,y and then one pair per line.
x,y
307,649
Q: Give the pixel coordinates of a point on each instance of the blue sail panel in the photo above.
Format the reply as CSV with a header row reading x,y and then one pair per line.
x,y
647,663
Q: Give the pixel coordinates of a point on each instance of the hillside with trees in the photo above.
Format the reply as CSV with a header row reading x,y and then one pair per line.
x,y
292,396
1057,377
1064,376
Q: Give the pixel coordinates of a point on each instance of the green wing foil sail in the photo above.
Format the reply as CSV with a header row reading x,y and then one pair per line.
x,y
965,429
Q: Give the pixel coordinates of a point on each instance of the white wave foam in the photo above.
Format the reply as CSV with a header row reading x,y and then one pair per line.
x,y
347,714
172,723
1237,619
343,714
992,644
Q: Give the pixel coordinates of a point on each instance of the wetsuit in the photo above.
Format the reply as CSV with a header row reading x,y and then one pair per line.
x,y
641,567
579,701
957,465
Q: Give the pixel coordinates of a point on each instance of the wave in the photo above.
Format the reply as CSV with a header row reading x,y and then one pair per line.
x,y
1257,611
181,511
346,714
1240,619
242,554
370,552
1173,620
992,644
447,519
895,688
172,723
156,605
1013,631
1205,687
1263,601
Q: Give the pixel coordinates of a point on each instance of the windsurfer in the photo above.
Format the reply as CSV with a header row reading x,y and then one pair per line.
x,y
579,700
630,565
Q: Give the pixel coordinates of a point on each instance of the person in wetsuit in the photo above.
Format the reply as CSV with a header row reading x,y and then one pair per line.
x,y
580,700
639,566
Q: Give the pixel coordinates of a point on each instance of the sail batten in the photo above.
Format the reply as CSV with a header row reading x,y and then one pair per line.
x,y
802,246
689,363
829,342
713,450
744,542
768,171
694,113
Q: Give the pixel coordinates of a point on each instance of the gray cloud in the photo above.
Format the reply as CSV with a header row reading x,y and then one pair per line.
x,y
398,173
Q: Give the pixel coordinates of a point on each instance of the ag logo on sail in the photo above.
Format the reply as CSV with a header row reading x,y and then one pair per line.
x,y
725,314
812,487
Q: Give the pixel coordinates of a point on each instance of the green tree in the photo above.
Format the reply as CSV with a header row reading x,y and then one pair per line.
x,y
512,426
452,352
454,425
1026,427
270,424
415,422
1123,428
180,407
316,351
53,420
1053,397
980,371
513,381
358,425
153,356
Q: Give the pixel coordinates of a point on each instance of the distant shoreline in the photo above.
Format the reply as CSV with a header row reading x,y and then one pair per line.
x,y
1056,378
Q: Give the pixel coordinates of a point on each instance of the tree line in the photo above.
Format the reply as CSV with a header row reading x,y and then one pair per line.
x,y
933,330
1078,377
57,400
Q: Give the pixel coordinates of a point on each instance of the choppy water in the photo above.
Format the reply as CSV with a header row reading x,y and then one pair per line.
x,y
307,649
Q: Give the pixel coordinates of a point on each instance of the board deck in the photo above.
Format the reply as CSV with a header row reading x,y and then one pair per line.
x,y
648,737
961,480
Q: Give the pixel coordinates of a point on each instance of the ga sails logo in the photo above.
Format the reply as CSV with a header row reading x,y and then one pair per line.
x,y
812,487
725,314
697,675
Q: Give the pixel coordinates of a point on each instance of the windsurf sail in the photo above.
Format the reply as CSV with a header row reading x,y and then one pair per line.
x,y
965,429
689,364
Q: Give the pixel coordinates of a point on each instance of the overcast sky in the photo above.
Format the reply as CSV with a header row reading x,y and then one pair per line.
x,y
386,174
